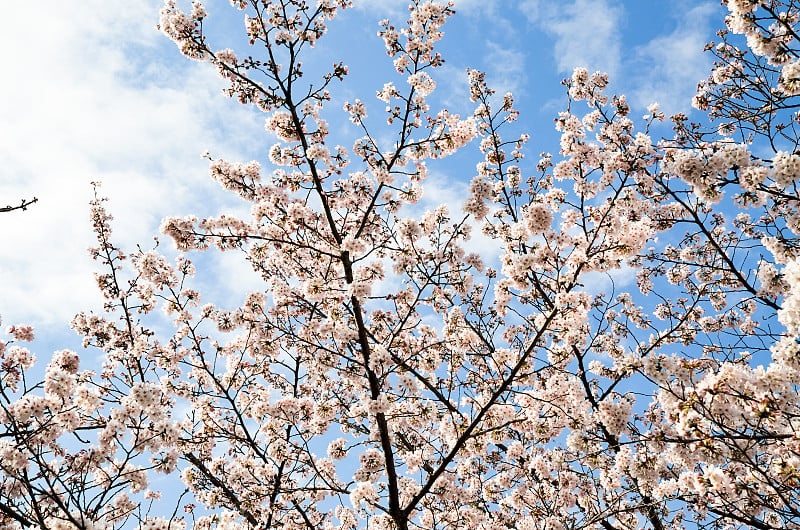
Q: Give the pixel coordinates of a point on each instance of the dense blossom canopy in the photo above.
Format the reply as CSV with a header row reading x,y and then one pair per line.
x,y
388,377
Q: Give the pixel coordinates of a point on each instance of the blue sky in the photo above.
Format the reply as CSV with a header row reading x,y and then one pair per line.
x,y
94,92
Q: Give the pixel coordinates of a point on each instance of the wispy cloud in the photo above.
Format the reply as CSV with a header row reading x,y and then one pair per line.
x,y
395,7
668,68
83,109
665,69
391,8
585,32
444,189
506,69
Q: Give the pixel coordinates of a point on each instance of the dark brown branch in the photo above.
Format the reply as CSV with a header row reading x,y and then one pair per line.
x,y
229,493
9,511
21,206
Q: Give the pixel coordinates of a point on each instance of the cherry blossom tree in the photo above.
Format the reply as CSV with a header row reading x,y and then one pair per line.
x,y
386,376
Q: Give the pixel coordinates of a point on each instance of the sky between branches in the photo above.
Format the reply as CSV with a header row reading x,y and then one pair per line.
x,y
94,92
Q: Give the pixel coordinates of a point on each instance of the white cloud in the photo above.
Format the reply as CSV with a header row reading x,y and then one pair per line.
x,y
665,69
398,7
586,32
669,67
506,69
84,108
384,8
472,7
445,189
610,282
